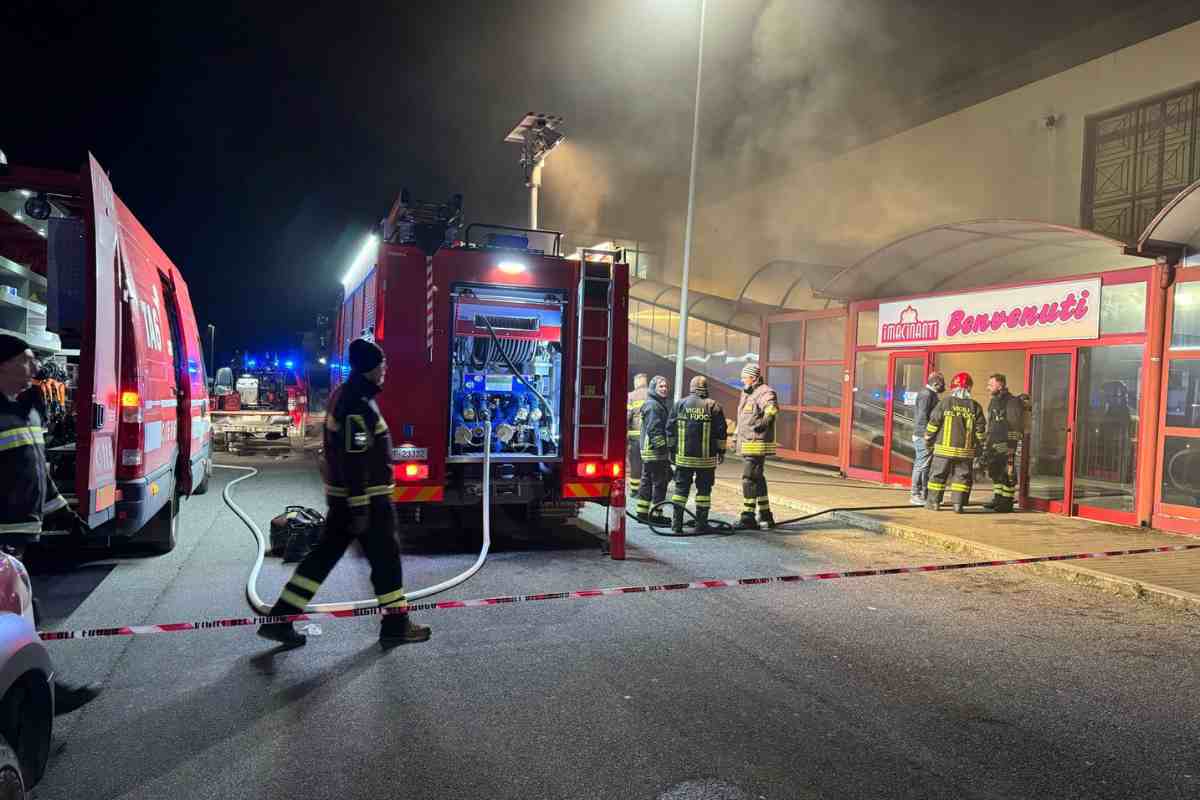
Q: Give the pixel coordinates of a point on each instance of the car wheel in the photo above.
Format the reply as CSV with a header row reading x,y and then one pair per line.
x,y
12,784
161,532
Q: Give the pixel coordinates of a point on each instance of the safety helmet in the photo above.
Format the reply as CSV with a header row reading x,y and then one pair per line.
x,y
962,381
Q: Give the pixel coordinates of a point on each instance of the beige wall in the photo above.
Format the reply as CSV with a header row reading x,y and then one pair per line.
x,y
981,364
994,159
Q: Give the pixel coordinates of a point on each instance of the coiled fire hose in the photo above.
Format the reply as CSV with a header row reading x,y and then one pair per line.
x,y
263,608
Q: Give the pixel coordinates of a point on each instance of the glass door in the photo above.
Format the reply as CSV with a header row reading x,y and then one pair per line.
x,y
1047,464
907,372
1106,439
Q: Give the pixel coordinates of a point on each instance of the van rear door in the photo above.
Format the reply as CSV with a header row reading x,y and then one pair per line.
x,y
96,421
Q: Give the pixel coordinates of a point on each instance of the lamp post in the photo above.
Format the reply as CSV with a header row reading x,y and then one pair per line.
x,y
681,345
538,135
212,346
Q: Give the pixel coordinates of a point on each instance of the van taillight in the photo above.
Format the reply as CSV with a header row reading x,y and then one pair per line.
x,y
131,436
131,407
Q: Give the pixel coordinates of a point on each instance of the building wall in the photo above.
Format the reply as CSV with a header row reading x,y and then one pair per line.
x,y
993,159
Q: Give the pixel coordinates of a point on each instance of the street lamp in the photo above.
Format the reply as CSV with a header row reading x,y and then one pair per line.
x,y
681,345
212,345
537,135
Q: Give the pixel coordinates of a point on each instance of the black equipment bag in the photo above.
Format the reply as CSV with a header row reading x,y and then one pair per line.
x,y
295,532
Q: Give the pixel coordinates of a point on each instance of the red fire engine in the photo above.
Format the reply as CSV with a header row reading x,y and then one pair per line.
x,y
496,326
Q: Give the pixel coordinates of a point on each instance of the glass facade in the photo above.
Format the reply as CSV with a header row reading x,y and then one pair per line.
x,y
1181,471
870,406
1123,308
1107,392
716,351
1185,325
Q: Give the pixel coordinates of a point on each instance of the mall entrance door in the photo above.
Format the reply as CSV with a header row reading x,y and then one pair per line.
x,y
1049,443
907,372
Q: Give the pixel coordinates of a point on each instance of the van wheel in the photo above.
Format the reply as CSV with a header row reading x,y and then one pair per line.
x,y
26,727
203,487
160,532
12,784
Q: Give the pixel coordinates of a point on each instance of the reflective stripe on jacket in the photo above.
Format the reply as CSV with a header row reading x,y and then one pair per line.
x,y
357,459
758,409
633,412
956,427
654,429
27,492
696,432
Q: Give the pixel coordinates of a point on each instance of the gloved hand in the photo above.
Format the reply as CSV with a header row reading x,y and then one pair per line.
x,y
64,519
720,456
358,523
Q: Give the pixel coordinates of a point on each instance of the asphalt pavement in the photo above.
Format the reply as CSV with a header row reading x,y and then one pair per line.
x,y
983,684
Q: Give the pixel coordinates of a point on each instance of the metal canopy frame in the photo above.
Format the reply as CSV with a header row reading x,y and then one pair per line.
x,y
1177,226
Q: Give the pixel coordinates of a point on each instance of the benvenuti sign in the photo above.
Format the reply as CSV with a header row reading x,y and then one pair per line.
x,y
1045,312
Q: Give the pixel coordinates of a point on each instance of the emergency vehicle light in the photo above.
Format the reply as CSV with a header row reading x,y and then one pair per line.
x,y
412,472
289,363
130,400
511,267
588,469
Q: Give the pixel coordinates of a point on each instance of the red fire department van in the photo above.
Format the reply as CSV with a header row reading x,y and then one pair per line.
x,y
122,369
497,326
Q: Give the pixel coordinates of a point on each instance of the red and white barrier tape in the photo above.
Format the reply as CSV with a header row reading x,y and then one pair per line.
x,y
719,583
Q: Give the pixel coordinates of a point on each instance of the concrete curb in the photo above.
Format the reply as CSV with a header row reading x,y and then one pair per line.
x,y
1083,576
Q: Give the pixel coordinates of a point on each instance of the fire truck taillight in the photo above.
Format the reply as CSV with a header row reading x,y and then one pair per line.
x,y
591,469
588,469
412,472
131,407
614,469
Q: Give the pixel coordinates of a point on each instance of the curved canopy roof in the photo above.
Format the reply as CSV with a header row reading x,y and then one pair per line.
x,y
775,283
1178,224
978,253
745,316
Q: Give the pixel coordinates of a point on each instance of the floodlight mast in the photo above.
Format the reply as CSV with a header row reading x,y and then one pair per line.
x,y
537,134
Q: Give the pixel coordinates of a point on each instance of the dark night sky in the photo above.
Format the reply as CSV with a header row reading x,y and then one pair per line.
x,y
259,141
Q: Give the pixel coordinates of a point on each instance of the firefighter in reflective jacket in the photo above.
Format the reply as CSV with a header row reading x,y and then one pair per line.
x,y
956,428
656,468
357,468
696,435
633,428
756,438
1005,426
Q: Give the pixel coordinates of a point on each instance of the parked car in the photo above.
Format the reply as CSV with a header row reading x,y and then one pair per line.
x,y
26,686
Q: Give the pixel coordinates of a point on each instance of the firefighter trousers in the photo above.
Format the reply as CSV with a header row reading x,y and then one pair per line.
x,y
704,477
655,476
379,543
955,474
633,472
754,486
1004,484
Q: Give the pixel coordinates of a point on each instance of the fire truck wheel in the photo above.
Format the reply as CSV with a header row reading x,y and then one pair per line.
x,y
161,531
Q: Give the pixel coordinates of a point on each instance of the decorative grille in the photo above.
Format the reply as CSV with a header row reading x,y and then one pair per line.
x,y
1136,159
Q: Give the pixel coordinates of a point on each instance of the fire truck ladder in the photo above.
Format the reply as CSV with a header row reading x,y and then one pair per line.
x,y
594,379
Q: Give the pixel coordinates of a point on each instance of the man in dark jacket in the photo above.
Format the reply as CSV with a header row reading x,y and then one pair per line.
x,y
29,500
956,429
927,400
633,432
357,468
1005,426
696,434
656,468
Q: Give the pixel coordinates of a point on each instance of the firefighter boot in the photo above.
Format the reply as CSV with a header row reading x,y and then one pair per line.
x,y
933,501
677,519
767,519
659,520
283,632
398,629
702,520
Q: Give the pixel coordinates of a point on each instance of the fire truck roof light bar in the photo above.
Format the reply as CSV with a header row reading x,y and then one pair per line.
x,y
362,263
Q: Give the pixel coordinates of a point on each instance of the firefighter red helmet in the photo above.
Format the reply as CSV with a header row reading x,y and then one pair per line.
x,y
962,381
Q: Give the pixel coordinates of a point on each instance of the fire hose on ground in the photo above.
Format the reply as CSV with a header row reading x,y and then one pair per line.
x,y
263,608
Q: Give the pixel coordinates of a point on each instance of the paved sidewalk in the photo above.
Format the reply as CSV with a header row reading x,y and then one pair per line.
x,y
1171,579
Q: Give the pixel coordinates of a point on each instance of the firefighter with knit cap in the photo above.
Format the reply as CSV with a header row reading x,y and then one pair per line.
x,y
756,440
696,434
656,466
633,428
956,429
356,464
1005,427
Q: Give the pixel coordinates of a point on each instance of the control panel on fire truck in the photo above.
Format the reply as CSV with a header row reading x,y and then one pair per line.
x,y
506,367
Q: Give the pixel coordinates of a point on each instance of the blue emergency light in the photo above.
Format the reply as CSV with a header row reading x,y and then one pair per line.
x,y
289,363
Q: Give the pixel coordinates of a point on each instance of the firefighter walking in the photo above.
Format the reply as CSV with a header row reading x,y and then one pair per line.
x,y
696,434
357,468
956,429
756,440
633,428
655,455
1005,425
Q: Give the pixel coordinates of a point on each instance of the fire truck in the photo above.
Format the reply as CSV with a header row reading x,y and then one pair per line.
x,y
496,326
268,402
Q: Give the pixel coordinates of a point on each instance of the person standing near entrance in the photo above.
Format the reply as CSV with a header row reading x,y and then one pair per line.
x,y
1005,425
696,434
756,439
656,468
927,400
955,430
633,430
